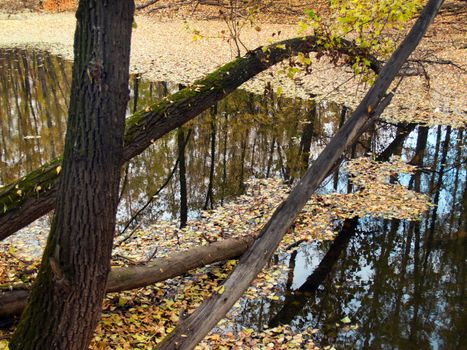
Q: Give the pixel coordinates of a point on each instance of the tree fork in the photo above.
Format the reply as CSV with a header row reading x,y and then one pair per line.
x,y
193,329
32,196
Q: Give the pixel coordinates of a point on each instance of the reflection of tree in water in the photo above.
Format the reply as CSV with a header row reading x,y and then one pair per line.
x,y
244,135
402,283
34,90
234,140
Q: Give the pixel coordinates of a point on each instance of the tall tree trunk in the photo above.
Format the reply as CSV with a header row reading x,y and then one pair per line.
x,y
271,156
429,237
307,135
65,301
343,115
224,157
136,82
209,202
241,177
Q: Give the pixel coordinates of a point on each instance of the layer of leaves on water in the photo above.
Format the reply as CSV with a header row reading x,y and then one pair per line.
x,y
142,318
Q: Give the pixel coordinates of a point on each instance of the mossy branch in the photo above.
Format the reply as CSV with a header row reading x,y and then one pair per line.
x,y
32,196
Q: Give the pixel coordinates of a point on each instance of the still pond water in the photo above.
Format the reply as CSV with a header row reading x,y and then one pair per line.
x,y
402,284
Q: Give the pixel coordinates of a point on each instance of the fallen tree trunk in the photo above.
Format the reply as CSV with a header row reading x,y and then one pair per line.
x,y
193,329
13,301
32,196
149,3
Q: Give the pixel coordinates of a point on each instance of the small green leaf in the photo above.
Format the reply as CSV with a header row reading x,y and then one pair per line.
x,y
279,91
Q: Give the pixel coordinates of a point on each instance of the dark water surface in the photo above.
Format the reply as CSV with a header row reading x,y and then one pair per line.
x,y
400,284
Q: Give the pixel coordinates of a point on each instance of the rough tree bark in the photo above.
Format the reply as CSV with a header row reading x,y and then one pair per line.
x,y
32,196
194,328
66,298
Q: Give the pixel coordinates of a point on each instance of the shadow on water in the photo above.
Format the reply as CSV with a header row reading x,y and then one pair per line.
x,y
382,284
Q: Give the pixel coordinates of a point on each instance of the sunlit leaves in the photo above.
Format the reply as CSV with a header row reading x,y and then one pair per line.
x,y
368,23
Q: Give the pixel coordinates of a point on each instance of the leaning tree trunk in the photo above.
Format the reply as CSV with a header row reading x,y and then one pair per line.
x,y
194,328
66,298
32,196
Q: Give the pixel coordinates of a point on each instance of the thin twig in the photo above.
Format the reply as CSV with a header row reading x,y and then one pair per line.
x,y
152,255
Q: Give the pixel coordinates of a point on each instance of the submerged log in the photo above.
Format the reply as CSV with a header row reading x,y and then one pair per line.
x,y
193,329
12,302
33,195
